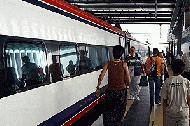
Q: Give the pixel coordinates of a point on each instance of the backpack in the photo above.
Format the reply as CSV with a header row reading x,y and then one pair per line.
x,y
151,67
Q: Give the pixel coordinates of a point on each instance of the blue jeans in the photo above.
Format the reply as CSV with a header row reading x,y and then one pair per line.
x,y
154,89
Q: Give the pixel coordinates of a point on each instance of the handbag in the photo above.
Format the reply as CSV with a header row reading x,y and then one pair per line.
x,y
143,81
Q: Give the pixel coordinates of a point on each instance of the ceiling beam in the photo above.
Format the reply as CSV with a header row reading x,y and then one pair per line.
x,y
133,15
141,20
128,12
126,5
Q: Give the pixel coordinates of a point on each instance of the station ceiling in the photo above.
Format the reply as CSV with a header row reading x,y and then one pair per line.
x,y
129,11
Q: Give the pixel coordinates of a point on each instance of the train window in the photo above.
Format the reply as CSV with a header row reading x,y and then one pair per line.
x,y
103,55
26,64
84,64
69,59
93,54
110,53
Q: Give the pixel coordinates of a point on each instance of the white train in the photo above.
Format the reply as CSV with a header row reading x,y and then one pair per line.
x,y
39,29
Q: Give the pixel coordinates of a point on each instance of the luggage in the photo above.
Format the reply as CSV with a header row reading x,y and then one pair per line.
x,y
143,81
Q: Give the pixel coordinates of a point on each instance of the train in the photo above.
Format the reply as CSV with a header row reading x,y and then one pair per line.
x,y
41,29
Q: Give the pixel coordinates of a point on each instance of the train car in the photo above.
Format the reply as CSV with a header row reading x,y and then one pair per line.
x,y
40,30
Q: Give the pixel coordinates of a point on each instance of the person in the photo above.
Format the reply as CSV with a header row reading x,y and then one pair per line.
x,y
118,79
186,60
71,68
29,72
180,55
84,63
56,70
135,68
154,68
176,97
165,75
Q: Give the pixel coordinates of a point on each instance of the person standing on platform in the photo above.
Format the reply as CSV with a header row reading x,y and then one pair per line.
x,y
186,60
118,80
135,69
176,97
154,68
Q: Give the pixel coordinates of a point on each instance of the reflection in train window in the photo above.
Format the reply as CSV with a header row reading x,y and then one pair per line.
x,y
105,55
84,63
69,59
26,64
110,55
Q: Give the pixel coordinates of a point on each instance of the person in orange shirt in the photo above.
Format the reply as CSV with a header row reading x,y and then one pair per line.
x,y
154,68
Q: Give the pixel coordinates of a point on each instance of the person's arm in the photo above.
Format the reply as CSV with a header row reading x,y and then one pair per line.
x,y
127,75
162,66
101,76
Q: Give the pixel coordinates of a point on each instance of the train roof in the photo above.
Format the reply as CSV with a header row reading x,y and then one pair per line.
x,y
70,9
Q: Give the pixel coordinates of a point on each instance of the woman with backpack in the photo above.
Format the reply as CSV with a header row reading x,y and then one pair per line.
x,y
154,68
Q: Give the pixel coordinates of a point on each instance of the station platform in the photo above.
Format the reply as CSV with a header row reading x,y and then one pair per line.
x,y
139,113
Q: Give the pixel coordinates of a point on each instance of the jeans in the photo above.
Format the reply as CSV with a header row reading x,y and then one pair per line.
x,y
154,89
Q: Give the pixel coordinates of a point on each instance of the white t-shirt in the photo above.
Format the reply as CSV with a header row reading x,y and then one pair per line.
x,y
175,90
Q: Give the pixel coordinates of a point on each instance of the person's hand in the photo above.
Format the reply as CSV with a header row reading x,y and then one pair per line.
x,y
97,92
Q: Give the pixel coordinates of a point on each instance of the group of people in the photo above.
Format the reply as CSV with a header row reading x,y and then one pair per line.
x,y
175,91
31,72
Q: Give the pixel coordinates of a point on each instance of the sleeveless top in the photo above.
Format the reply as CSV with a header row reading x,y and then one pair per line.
x,y
116,75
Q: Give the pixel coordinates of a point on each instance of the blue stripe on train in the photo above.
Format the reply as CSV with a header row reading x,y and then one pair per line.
x,y
54,9
68,113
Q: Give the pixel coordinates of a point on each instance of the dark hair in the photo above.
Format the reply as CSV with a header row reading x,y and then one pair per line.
x,y
117,51
178,66
132,47
25,59
54,59
155,51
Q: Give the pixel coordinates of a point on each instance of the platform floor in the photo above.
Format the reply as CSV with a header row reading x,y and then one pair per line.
x,y
139,113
